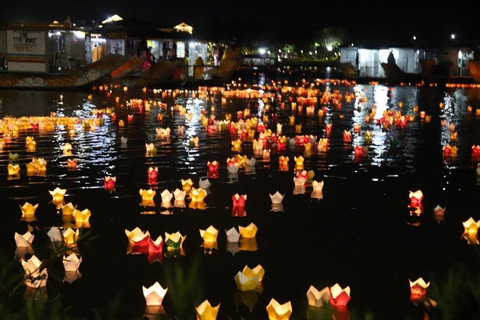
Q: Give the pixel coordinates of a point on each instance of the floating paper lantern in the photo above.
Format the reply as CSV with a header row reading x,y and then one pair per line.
x,y
283,163
476,152
123,141
471,231
167,197
212,169
70,237
187,185
28,211
205,311
13,169
24,240
35,275
277,311
210,234
249,231
154,294
299,185
238,208
137,240
237,145
339,296
418,290
232,235
204,183
152,175
151,150
155,249
68,209
67,149
317,298
415,205
58,196
72,163
109,183
299,163
347,136
249,279
241,160
55,235
276,199
266,155
71,262
174,241
317,192
439,213
194,142
197,195
82,218
147,197
179,196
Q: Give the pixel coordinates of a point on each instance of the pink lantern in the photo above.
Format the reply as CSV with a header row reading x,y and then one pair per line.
x,y
155,249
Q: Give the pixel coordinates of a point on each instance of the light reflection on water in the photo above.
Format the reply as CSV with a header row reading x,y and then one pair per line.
x,y
351,185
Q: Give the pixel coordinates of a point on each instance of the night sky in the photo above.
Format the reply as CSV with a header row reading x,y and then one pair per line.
x,y
295,21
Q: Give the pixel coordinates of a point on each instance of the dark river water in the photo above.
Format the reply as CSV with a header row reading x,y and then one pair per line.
x,y
360,233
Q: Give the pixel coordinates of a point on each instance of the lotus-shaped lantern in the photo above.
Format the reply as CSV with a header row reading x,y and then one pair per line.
x,y
179,196
72,164
71,264
277,311
205,311
13,170
58,196
24,240
197,195
28,211
154,294
70,237
249,231
137,240
109,183
317,298
299,185
232,235
174,242
155,249
471,231
237,145
187,185
35,275
212,169
147,197
418,290
283,163
249,279
415,205
55,235
339,296
276,199
167,197
82,218
317,192
439,213
151,149
67,149
299,163
238,208
193,143
152,173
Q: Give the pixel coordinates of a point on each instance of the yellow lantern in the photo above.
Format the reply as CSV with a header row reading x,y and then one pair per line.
x,y
249,231
82,218
147,197
277,311
13,169
28,211
471,231
209,235
205,311
317,298
58,196
187,185
249,279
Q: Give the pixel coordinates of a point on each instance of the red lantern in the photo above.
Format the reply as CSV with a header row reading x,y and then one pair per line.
x,y
155,250
238,209
212,169
109,183
152,175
